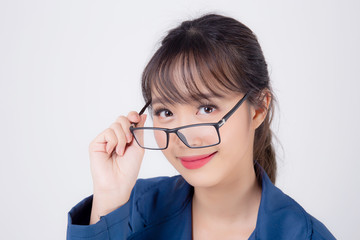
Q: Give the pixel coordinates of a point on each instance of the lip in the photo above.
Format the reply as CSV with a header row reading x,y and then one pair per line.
x,y
194,162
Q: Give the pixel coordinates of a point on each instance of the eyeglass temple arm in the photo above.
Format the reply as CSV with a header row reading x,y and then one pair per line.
x,y
226,117
144,108
142,111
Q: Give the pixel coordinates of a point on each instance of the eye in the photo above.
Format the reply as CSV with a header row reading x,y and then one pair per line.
x,y
206,109
163,112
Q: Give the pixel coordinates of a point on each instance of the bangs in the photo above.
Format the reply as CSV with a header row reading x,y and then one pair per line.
x,y
189,75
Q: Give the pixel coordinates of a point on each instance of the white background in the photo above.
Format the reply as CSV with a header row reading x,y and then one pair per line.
x,y
69,68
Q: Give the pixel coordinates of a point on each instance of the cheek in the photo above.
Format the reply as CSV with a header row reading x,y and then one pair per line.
x,y
160,138
168,155
236,134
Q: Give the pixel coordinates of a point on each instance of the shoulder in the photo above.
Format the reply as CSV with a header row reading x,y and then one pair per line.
x,y
281,217
319,230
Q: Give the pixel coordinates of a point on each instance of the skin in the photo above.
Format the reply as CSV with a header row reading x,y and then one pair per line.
x,y
226,198
226,193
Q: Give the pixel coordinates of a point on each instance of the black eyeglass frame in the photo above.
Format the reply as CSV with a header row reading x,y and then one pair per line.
x,y
176,130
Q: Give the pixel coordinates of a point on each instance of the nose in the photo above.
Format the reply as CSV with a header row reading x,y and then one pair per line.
x,y
178,139
182,138
190,140
185,137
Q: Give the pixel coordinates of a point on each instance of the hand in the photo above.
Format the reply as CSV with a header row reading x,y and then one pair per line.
x,y
115,158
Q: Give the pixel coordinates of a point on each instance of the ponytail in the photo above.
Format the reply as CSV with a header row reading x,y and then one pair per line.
x,y
264,153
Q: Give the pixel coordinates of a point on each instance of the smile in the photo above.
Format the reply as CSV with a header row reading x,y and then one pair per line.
x,y
194,162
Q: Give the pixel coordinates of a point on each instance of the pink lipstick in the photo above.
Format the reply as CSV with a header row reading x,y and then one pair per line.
x,y
194,162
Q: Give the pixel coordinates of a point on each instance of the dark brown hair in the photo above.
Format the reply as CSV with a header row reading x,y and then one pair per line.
x,y
221,54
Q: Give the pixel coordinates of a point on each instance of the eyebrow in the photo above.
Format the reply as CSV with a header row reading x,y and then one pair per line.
x,y
205,95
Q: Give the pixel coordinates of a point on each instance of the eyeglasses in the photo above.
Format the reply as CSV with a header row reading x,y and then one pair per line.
x,y
200,135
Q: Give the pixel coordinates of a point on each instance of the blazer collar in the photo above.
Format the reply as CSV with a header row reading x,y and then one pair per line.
x,y
279,216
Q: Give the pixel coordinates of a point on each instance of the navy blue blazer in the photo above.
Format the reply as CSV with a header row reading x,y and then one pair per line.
x,y
160,208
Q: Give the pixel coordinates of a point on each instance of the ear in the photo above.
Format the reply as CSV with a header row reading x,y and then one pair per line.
x,y
259,113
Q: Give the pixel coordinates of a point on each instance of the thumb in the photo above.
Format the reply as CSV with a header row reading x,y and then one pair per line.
x,y
142,120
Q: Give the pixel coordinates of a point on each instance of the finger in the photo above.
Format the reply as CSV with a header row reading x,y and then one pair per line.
x,y
121,137
125,124
134,117
140,134
142,121
104,142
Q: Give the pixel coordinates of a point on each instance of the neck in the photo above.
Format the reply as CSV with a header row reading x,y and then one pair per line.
x,y
236,199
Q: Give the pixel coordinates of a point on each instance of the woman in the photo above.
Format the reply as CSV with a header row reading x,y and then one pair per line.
x,y
208,92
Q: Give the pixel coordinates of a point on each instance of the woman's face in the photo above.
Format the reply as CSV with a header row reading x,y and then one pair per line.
x,y
229,160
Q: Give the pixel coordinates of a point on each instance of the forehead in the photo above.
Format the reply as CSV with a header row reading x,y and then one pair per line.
x,y
185,81
205,96
185,96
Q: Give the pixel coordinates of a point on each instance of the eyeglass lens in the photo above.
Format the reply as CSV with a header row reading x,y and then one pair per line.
x,y
193,136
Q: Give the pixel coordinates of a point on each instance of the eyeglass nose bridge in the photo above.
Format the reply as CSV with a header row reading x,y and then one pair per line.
x,y
183,138
179,135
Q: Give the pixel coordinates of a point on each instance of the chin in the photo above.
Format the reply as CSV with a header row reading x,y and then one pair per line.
x,y
197,182
206,176
200,177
